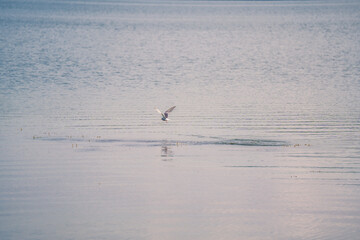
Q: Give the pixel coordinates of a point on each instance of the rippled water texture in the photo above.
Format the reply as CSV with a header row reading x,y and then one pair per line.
x,y
264,142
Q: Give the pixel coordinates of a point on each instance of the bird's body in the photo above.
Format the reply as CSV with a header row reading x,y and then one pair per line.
x,y
165,115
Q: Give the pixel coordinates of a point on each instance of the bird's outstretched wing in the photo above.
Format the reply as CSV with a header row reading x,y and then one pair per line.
x,y
166,113
159,112
170,109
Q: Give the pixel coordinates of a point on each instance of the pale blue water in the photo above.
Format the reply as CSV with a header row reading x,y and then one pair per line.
x,y
264,142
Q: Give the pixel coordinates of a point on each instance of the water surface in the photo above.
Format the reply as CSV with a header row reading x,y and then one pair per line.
x,y
263,144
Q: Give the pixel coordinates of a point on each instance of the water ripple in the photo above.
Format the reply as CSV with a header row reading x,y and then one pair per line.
x,y
157,142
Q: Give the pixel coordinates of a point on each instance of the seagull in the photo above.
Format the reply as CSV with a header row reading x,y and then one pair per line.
x,y
165,114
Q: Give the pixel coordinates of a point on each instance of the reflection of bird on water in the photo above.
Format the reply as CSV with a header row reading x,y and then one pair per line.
x,y
165,115
166,152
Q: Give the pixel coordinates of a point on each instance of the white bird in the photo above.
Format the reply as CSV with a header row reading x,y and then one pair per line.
x,y
165,115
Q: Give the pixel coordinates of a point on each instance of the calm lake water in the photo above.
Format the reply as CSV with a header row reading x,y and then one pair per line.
x,y
264,142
